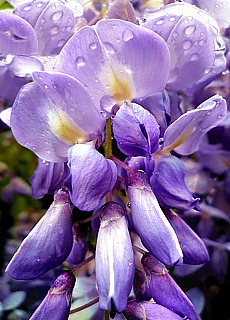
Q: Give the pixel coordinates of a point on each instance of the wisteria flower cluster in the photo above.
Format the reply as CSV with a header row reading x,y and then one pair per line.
x,y
106,96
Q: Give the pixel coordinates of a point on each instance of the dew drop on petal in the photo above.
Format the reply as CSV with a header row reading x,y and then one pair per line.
x,y
127,35
57,16
80,61
160,21
38,259
189,30
27,8
194,56
61,43
186,44
42,20
93,45
109,48
39,5
54,30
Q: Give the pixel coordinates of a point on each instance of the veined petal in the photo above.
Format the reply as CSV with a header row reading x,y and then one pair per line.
x,y
104,58
196,48
92,176
184,135
136,131
63,115
114,258
47,245
150,223
16,35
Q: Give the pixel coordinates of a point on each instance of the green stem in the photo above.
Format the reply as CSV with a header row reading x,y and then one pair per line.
x,y
108,139
106,315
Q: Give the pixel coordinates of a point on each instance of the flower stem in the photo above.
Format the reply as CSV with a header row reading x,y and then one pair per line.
x,y
82,263
87,305
108,139
106,315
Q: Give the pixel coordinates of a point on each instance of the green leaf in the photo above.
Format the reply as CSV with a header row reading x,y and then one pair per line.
x,y
5,5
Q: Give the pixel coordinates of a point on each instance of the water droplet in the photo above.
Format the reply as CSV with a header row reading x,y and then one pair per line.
x,y
219,116
186,44
160,21
42,21
54,30
129,205
27,8
201,42
39,5
175,34
80,61
46,87
93,45
57,16
67,93
61,43
189,30
38,259
206,70
103,113
96,80
127,35
208,113
172,18
194,56
109,48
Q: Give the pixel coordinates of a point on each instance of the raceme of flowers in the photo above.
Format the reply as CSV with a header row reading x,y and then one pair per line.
x,y
95,104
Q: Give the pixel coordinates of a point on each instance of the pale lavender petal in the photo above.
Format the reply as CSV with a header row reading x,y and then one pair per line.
x,y
184,135
23,66
114,258
106,62
196,48
16,35
92,176
5,116
47,245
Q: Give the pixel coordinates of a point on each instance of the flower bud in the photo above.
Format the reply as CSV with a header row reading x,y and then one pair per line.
x,y
114,258
56,304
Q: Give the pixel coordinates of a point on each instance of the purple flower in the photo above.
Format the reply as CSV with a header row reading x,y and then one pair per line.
x,y
149,221
47,245
114,258
148,310
92,176
196,48
136,131
48,177
56,304
167,182
165,291
106,64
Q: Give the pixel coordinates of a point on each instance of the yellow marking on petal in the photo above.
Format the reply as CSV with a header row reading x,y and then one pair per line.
x,y
118,82
225,162
65,128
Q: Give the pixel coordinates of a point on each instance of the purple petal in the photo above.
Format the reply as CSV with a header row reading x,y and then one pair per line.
x,y
16,35
63,115
56,304
47,245
114,258
136,131
184,135
48,177
92,176
150,223
148,310
121,9
193,40
166,291
22,66
106,62
53,23
167,182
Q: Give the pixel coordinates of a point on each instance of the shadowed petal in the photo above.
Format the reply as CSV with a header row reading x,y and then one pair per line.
x,y
150,223
56,304
47,245
92,176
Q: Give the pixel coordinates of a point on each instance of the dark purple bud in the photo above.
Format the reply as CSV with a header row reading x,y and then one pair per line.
x,y
165,291
148,310
149,221
80,246
16,187
56,304
48,244
141,286
114,258
193,248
